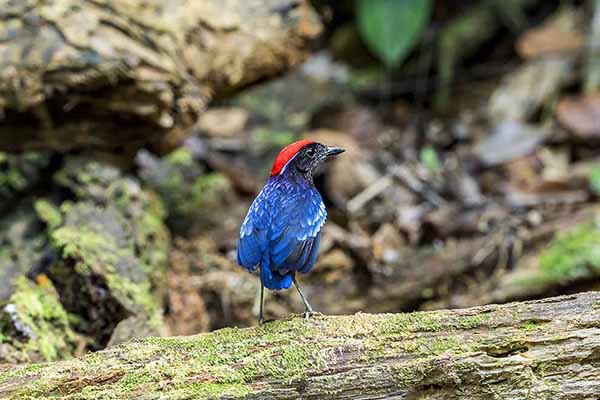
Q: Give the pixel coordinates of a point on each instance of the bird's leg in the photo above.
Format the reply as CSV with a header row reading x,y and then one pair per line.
x,y
308,310
261,318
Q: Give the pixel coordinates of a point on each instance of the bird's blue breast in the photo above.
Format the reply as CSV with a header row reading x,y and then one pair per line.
x,y
282,231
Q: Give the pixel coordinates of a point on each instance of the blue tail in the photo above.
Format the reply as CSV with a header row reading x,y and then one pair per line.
x,y
275,280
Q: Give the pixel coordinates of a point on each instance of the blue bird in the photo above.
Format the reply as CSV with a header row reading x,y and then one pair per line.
x,y
282,230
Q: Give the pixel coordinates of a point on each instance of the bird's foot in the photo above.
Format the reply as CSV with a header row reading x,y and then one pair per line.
x,y
309,313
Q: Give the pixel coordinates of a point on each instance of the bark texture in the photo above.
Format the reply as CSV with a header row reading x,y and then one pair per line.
x,y
546,349
116,73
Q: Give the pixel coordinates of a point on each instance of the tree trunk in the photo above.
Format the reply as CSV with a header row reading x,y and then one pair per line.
x,y
546,349
116,74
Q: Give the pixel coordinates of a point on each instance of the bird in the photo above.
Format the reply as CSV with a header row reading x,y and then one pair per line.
x,y
281,232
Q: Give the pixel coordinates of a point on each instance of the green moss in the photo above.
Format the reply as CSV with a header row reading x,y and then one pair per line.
x,y
85,245
410,322
529,326
139,297
48,213
181,156
571,255
471,321
39,316
112,233
409,373
20,172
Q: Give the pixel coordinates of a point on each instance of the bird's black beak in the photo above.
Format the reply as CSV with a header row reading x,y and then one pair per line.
x,y
333,151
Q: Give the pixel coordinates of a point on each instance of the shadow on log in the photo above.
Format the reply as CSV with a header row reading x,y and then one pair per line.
x,y
546,349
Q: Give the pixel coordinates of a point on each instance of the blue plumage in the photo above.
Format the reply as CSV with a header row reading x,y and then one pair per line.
x,y
282,230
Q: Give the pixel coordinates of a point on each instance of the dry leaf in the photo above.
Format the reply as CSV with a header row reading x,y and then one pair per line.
x,y
549,40
581,115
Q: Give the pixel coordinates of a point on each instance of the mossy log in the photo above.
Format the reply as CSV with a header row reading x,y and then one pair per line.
x,y
545,349
117,74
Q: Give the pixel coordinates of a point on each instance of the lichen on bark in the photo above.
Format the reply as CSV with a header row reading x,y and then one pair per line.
x,y
541,349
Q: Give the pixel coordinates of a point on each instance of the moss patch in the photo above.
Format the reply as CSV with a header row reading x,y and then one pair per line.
x,y
572,255
20,172
112,248
48,213
195,200
34,322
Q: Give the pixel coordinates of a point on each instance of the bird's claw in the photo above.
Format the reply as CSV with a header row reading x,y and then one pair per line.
x,y
309,313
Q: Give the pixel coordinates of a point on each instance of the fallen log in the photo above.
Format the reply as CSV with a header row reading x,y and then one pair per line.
x,y
116,75
545,349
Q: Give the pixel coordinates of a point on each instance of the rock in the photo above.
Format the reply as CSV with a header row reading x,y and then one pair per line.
x,y
557,36
120,75
508,141
22,242
223,121
94,248
34,326
111,248
581,115
195,200
19,173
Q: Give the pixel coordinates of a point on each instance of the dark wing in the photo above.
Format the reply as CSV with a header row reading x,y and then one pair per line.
x,y
295,231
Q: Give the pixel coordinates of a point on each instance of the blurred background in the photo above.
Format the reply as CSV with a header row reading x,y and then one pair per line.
x,y
134,135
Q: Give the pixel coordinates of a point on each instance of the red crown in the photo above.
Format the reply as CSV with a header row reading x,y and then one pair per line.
x,y
287,154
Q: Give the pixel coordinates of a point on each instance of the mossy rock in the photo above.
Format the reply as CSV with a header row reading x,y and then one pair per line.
x,y
99,239
33,324
112,248
22,243
195,200
18,173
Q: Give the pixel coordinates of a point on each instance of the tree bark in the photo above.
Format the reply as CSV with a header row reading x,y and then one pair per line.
x,y
546,349
116,74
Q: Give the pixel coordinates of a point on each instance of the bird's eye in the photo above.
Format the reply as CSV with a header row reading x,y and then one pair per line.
x,y
310,152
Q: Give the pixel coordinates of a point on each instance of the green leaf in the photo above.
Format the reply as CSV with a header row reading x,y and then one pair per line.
x,y
595,180
391,27
430,160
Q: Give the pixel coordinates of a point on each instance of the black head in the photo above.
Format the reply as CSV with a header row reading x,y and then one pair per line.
x,y
311,156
